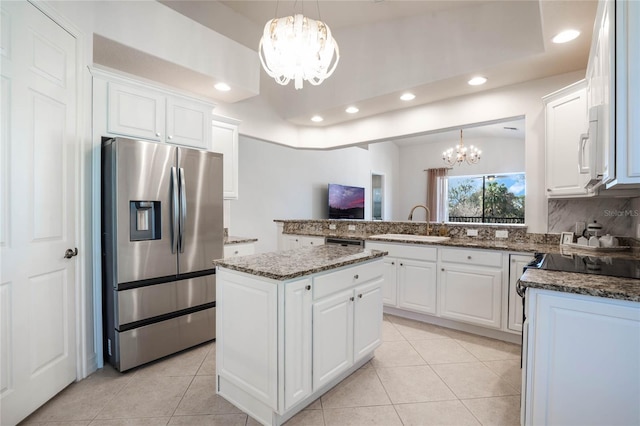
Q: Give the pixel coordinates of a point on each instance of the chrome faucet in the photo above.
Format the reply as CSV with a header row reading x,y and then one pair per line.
x,y
428,215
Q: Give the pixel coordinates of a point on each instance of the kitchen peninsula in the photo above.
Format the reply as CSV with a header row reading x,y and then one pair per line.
x,y
272,359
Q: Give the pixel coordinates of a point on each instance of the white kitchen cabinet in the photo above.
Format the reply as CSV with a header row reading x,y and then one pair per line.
x,y
470,286
224,138
581,360
516,265
410,276
417,283
302,335
140,111
135,111
290,241
188,123
566,120
297,351
347,326
240,249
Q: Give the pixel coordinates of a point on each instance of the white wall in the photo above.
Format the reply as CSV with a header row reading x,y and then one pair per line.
x,y
498,156
280,182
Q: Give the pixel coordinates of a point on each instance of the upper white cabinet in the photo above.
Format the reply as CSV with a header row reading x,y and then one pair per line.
x,y
224,132
613,78
566,120
144,112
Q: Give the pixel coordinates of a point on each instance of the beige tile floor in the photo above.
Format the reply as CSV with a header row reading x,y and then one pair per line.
x,y
421,375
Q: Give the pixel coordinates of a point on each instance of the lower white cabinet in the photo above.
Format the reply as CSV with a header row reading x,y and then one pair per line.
x,y
417,284
470,293
282,344
516,264
240,249
290,241
581,360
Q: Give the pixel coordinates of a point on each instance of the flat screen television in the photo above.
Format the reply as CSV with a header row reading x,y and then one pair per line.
x,y
346,202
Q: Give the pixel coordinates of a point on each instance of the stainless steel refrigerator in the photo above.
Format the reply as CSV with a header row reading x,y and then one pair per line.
x,y
161,229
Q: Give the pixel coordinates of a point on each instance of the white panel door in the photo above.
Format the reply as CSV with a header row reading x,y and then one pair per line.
x,y
417,283
297,342
332,337
135,112
39,174
367,319
471,294
188,123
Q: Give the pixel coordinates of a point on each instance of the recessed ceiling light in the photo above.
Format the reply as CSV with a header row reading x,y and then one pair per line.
x,y
477,81
352,110
408,97
316,118
223,87
566,36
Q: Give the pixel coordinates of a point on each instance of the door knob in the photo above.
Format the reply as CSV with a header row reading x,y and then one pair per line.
x,y
70,253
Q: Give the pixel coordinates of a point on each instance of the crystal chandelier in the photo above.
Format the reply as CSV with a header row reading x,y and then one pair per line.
x,y
298,48
471,155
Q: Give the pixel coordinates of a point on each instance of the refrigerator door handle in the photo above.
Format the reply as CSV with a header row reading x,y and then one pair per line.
x,y
183,208
175,210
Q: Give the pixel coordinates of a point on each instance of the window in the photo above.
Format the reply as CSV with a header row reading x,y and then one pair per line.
x,y
486,198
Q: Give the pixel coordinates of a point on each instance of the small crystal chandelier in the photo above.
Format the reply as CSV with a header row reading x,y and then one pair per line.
x,y
471,155
298,48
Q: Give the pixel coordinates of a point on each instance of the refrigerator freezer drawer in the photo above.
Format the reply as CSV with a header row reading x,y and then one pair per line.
x,y
154,300
148,343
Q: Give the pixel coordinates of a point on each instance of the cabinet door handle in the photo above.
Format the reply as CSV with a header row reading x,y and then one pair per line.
x,y
393,263
158,134
360,296
311,242
352,298
308,287
442,269
169,137
469,257
235,252
402,264
356,276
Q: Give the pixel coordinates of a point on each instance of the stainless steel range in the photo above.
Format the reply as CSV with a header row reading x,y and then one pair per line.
x,y
162,227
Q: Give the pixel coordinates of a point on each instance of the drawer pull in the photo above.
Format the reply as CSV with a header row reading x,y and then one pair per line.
x,y
308,287
442,269
311,242
236,252
360,296
352,298
402,264
356,276
393,263
469,257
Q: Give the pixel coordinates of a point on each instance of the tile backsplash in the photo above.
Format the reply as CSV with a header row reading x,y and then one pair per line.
x,y
618,216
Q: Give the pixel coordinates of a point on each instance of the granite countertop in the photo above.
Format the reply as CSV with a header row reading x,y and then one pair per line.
x,y
588,284
238,240
286,265
504,245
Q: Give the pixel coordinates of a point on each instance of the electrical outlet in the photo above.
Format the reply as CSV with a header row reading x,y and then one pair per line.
x,y
472,232
502,234
332,226
352,228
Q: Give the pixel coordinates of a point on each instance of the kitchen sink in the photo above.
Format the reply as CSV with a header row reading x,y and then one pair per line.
x,y
410,237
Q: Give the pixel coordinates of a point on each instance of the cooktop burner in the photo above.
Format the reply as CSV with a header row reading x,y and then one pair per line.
x,y
598,265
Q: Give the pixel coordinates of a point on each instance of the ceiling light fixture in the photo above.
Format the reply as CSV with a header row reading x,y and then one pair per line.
x,y
316,119
408,97
477,81
352,110
566,36
298,48
470,155
223,87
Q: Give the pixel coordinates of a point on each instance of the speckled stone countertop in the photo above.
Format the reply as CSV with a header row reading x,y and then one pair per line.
x,y
524,247
588,284
238,240
286,265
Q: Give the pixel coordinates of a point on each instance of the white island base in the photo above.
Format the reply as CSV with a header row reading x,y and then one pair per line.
x,y
281,344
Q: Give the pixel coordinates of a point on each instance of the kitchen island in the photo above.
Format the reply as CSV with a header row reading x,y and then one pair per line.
x,y
581,349
293,324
